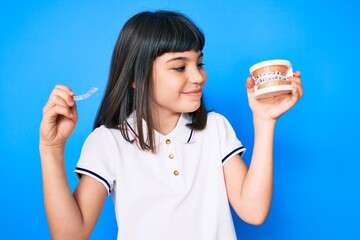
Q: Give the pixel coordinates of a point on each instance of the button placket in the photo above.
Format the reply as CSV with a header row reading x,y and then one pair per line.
x,y
171,156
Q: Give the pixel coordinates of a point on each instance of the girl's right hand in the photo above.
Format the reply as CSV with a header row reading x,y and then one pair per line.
x,y
59,118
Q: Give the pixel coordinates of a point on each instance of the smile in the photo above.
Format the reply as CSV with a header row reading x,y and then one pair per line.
x,y
195,92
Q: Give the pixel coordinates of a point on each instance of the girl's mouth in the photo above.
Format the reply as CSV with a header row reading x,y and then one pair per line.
x,y
195,92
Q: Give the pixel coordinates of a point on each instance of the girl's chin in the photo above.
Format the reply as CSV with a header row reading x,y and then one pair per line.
x,y
193,108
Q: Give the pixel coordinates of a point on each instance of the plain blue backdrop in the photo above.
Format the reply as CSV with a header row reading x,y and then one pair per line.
x,y
317,163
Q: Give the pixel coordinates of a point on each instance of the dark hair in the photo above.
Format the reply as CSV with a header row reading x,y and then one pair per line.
x,y
144,37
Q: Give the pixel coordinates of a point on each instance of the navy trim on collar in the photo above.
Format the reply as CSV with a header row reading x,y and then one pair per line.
x,y
191,134
181,132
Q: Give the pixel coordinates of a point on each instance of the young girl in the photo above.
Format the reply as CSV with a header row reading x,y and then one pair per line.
x,y
170,166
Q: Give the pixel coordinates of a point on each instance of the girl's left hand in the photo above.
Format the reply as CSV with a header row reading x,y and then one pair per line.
x,y
272,108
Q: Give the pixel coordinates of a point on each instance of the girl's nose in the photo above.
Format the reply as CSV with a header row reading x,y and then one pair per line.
x,y
198,76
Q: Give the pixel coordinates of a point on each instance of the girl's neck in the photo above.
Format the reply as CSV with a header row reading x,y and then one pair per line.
x,y
165,123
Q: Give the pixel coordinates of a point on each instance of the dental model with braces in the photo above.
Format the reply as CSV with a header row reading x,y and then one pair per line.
x,y
270,76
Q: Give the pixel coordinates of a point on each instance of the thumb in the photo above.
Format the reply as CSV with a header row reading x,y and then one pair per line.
x,y
250,83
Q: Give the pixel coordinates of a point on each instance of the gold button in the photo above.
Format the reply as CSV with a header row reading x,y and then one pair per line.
x,y
176,173
171,156
168,141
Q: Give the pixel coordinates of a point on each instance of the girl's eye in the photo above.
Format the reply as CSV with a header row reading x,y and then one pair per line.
x,y
179,69
182,68
200,65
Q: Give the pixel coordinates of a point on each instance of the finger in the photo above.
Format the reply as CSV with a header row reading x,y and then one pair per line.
x,y
57,110
295,95
65,93
295,77
65,88
60,103
299,88
250,83
58,99
297,74
74,113
296,83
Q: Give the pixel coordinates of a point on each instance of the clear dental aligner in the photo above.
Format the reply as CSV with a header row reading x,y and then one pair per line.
x,y
86,95
270,76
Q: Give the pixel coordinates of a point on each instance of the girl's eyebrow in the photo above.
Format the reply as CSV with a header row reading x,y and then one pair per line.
x,y
183,58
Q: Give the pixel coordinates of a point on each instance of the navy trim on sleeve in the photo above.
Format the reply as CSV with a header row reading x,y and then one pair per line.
x,y
96,175
232,152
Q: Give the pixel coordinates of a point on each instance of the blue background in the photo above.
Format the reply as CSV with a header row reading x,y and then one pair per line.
x,y
317,162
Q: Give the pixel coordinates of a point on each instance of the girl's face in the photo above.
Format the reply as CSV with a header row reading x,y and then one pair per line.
x,y
178,82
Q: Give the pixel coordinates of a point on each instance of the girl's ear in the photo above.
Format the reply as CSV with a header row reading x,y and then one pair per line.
x,y
133,85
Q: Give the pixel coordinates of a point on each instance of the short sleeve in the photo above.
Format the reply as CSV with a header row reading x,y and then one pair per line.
x,y
230,145
97,158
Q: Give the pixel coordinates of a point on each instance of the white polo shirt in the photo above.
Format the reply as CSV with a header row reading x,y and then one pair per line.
x,y
178,193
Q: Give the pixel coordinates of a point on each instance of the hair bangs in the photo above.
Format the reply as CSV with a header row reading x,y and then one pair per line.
x,y
177,34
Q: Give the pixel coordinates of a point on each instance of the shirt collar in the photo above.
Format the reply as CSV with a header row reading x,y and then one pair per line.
x,y
180,133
